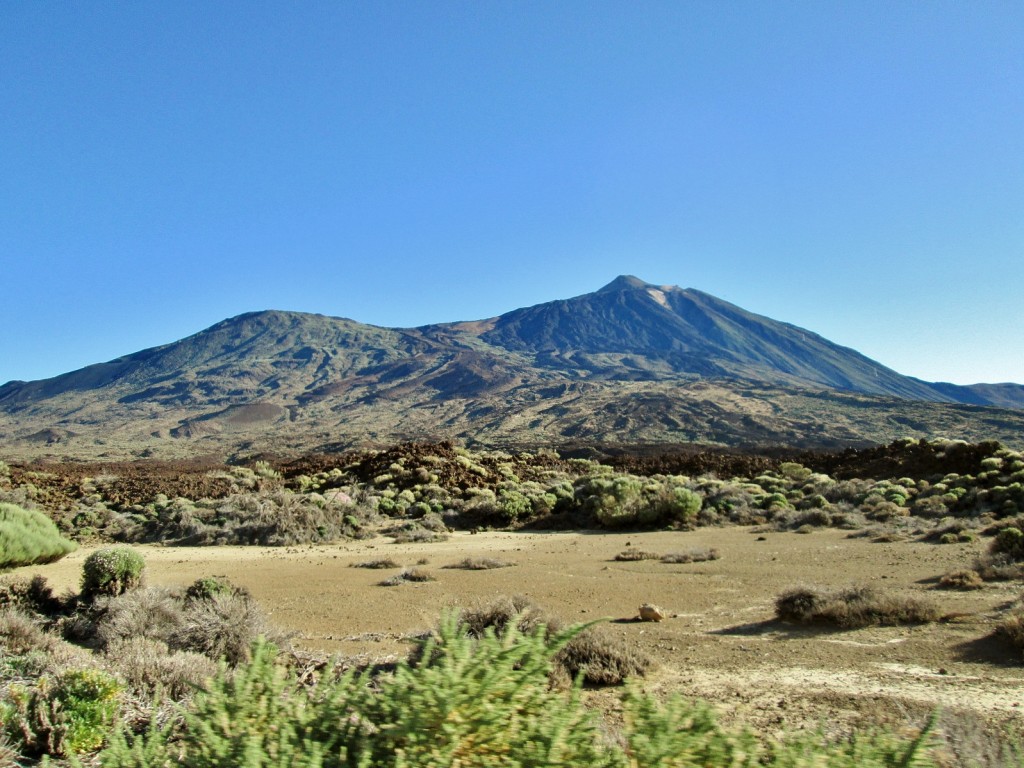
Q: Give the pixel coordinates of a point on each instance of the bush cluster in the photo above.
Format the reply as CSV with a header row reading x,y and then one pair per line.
x,y
129,644
427,489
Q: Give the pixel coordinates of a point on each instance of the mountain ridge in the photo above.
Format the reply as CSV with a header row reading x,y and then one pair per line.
x,y
630,361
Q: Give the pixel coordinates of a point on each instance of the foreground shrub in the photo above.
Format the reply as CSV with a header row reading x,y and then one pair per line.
x,y
472,702
680,734
225,626
221,625
111,571
600,658
852,607
150,668
28,537
464,701
69,714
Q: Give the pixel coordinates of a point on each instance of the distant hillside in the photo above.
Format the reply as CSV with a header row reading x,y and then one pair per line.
x,y
631,362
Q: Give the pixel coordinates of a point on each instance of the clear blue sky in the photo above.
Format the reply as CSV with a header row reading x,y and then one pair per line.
x,y
855,168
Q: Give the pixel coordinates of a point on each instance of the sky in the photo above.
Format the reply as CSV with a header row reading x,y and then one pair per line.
x,y
854,168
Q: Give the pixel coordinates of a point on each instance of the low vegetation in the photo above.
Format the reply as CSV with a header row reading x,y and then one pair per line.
x,y
407,575
943,491
852,607
479,564
692,555
1011,627
474,701
135,668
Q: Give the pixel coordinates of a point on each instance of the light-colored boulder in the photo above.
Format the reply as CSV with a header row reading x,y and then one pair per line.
x,y
651,612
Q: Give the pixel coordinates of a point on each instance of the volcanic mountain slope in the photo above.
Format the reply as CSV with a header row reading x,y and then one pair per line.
x,y
630,362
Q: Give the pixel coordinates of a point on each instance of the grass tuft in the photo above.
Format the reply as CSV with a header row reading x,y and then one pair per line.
x,y
634,554
479,564
380,564
693,555
407,575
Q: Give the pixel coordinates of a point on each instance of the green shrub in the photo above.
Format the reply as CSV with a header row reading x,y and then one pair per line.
x,y
111,571
463,701
473,702
69,714
679,734
28,537
1009,541
600,658
206,588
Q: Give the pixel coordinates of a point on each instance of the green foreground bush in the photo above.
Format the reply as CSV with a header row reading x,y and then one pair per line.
x,y
469,702
28,537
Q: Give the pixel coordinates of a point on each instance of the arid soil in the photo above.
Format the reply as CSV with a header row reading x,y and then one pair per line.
x,y
721,642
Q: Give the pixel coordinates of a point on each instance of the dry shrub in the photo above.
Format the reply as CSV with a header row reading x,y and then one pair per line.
x,y
599,657
633,554
29,594
149,666
224,626
999,566
280,518
9,756
889,537
852,607
692,555
377,564
409,574
21,633
155,613
963,579
479,564
1011,628
418,536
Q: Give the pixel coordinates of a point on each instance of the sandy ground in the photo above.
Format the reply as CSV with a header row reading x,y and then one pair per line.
x,y
722,643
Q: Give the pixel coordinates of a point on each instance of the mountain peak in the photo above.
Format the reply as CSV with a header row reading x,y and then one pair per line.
x,y
625,283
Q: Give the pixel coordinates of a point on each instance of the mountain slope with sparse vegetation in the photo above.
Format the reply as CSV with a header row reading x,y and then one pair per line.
x,y
630,363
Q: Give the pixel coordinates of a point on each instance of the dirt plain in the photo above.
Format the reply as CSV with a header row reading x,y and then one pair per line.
x,y
721,642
